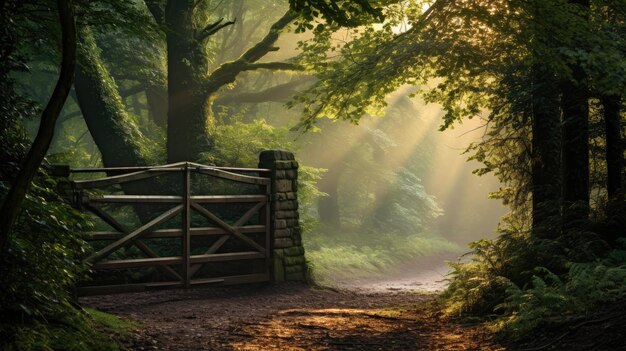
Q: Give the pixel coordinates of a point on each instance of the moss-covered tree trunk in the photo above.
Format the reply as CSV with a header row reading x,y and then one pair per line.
x,y
115,133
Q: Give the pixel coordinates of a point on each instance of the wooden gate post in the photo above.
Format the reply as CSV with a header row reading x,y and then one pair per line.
x,y
186,223
285,233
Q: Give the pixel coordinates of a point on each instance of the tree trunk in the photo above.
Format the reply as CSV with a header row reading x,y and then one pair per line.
x,y
546,146
188,132
575,107
117,136
614,149
191,90
114,132
575,133
15,197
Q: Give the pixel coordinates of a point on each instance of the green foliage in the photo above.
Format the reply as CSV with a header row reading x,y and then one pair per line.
x,y
42,263
344,13
473,58
333,260
476,287
406,207
550,298
77,330
349,88
476,59
308,194
521,300
239,144
112,324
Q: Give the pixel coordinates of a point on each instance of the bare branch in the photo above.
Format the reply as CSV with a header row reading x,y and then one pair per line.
x,y
228,71
213,28
285,66
265,45
277,93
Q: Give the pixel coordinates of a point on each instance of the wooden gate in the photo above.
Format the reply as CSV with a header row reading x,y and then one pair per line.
x,y
182,209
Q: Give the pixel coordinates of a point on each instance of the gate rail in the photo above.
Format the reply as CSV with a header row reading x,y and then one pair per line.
x,y
190,264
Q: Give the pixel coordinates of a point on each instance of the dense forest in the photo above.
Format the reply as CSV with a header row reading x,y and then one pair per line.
x,y
349,87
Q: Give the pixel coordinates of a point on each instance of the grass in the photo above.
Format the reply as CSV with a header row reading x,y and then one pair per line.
x,y
334,260
111,323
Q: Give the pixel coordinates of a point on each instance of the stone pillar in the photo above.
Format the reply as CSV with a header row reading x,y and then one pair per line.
x,y
287,251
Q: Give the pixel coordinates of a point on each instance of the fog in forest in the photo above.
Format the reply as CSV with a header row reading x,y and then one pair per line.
x,y
365,158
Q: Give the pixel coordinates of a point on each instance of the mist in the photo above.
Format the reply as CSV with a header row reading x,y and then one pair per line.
x,y
352,244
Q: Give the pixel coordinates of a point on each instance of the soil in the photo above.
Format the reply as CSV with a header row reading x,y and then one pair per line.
x,y
290,317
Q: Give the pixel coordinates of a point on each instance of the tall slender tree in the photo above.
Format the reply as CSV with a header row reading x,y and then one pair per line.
x,y
545,151
12,202
575,123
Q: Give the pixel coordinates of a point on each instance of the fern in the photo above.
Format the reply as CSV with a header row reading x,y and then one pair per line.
x,y
546,297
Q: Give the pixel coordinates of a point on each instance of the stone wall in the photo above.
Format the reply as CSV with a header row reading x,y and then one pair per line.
x,y
286,239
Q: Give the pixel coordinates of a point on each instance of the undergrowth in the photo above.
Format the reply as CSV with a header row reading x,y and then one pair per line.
x,y
516,304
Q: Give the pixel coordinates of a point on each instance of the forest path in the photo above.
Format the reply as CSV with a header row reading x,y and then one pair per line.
x,y
288,317
423,276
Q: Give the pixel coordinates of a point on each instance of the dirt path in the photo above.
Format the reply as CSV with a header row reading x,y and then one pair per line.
x,y
430,280
288,317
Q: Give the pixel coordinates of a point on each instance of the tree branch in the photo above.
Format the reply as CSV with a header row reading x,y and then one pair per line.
x,y
196,3
213,28
228,71
265,45
285,66
277,93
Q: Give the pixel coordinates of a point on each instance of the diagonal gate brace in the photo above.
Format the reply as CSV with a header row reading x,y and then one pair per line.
x,y
222,240
134,234
138,243
227,227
